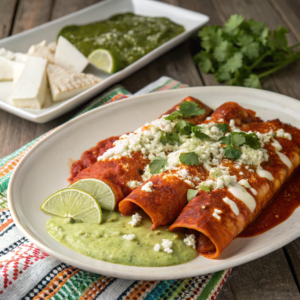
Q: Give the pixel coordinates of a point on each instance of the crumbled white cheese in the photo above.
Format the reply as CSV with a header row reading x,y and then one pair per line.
x,y
133,184
157,247
183,173
208,118
167,245
283,134
232,123
147,187
216,213
136,220
241,173
190,240
129,237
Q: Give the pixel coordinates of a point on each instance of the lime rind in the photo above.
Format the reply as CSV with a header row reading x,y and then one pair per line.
x,y
106,60
75,204
99,190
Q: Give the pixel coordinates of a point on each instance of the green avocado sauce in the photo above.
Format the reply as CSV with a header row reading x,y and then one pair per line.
x,y
105,241
128,35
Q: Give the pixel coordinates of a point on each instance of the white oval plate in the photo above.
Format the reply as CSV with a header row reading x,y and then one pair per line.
x,y
45,169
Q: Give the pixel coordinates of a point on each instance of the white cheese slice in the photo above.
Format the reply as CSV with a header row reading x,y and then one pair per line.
x,y
42,50
69,57
7,54
30,90
18,69
21,57
6,69
65,84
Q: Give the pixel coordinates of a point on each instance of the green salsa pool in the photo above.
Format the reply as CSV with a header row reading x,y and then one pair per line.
x,y
105,241
130,36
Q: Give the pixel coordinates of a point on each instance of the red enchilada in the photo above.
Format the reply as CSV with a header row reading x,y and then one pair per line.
x,y
206,175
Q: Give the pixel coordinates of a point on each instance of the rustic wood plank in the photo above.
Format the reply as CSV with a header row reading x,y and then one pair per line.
x,y
7,11
289,11
261,279
64,7
31,13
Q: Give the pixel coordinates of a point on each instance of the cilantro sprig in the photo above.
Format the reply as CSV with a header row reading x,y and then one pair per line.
x,y
189,158
169,138
237,139
244,51
187,109
157,164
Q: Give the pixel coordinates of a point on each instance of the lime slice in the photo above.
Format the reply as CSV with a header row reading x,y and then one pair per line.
x,y
99,190
75,204
105,60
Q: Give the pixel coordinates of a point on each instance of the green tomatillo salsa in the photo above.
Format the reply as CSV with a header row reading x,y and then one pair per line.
x,y
128,35
106,241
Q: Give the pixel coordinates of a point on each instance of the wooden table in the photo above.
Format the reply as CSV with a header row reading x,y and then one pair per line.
x,y
275,276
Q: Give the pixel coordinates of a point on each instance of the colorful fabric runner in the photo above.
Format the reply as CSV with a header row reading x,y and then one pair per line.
x,y
27,273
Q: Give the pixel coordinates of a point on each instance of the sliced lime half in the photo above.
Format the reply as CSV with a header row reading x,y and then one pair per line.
x,y
99,190
105,60
74,204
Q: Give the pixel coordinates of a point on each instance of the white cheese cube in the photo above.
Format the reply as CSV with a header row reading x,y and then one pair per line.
x,y
42,50
21,57
18,69
6,69
7,54
69,57
30,90
65,84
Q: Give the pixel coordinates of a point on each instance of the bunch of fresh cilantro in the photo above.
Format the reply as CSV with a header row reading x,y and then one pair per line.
x,y
244,51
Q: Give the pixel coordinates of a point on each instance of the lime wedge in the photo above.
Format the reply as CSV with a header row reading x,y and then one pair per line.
x,y
105,60
99,190
75,204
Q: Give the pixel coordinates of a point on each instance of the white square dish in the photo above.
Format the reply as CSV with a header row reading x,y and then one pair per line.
x,y
192,21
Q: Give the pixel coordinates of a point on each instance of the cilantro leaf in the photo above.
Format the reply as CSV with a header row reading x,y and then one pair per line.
x,y
189,158
173,138
223,51
191,194
163,139
204,62
226,140
252,81
184,127
201,136
238,138
244,40
190,109
252,141
233,23
251,50
223,127
204,188
232,152
234,62
210,36
157,164
222,74
174,115
278,39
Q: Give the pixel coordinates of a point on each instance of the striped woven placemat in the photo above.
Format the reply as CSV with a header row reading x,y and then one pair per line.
x,y
27,273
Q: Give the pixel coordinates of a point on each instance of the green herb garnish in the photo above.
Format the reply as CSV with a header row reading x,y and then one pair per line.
x,y
223,127
171,138
190,159
157,164
190,109
237,139
191,194
244,51
187,109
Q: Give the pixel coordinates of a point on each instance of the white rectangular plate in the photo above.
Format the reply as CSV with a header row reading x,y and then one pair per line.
x,y
45,169
21,42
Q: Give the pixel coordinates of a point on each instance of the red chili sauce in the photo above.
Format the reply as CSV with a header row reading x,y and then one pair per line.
x,y
89,157
283,204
